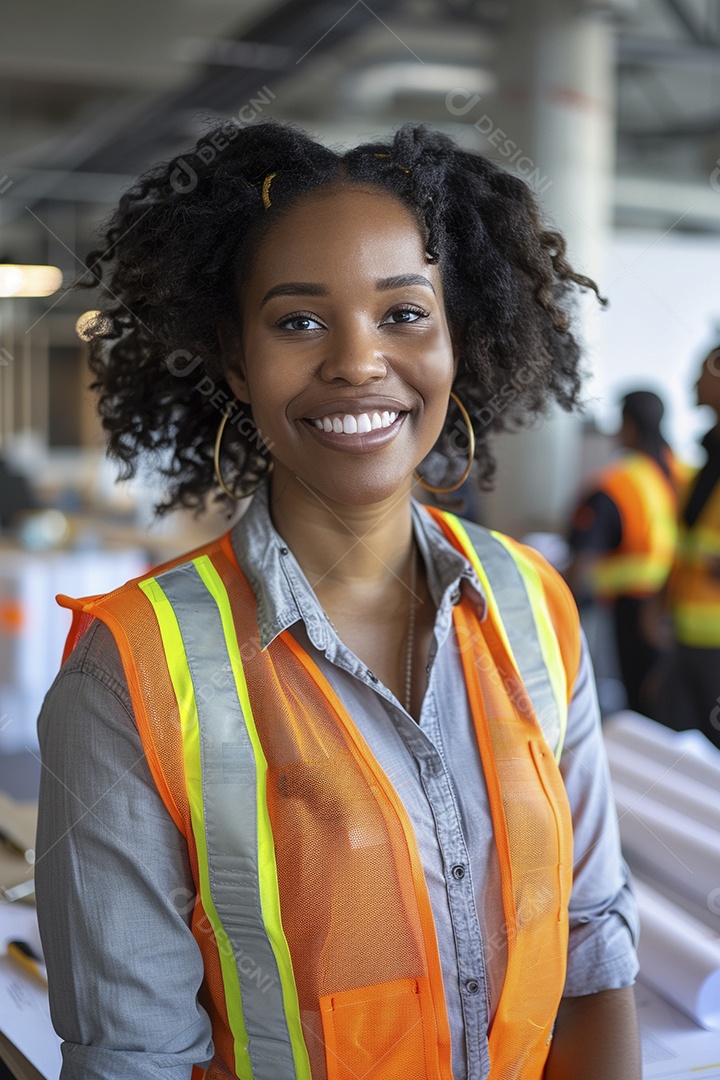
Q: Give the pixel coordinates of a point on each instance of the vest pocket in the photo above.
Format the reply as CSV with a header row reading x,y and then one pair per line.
x,y
381,1032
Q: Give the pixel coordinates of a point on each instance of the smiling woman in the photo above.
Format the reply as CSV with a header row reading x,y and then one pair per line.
x,y
350,811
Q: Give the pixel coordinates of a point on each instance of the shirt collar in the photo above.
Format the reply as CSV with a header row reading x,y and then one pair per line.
x,y
284,595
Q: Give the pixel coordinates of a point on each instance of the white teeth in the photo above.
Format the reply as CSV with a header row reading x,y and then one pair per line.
x,y
348,424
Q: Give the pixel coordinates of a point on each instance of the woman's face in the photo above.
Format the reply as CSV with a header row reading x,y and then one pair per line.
x,y
345,354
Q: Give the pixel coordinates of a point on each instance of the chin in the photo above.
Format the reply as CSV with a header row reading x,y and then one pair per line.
x,y
361,491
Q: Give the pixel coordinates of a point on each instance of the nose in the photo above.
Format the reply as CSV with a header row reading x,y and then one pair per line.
x,y
354,357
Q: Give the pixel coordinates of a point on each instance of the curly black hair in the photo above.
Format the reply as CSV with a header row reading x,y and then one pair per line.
x,y
186,232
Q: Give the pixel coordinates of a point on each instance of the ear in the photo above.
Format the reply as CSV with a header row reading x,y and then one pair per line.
x,y
232,359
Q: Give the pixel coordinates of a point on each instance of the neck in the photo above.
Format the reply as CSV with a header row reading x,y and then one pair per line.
x,y
339,546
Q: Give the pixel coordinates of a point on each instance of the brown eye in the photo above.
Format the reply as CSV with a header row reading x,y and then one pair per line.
x,y
299,322
405,316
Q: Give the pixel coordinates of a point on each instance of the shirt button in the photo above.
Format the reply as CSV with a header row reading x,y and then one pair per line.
x,y
283,551
472,986
458,872
371,675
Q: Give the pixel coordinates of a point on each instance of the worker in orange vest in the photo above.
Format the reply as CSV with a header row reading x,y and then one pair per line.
x,y
326,798
689,696
623,539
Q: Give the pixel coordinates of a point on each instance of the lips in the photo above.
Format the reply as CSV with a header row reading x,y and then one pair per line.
x,y
357,428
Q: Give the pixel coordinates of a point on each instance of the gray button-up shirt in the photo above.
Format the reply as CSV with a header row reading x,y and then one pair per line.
x,y
114,887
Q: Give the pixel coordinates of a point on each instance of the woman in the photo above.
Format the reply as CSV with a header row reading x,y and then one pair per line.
x,y
302,817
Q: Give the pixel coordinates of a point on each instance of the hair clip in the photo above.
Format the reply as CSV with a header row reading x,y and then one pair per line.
x,y
400,167
266,190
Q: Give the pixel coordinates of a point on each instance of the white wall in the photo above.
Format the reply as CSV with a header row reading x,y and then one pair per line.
x,y
664,315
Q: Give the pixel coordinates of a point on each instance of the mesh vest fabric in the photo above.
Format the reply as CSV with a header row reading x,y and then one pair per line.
x,y
355,911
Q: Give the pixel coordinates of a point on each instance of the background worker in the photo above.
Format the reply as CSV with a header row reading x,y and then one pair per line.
x,y
623,539
689,696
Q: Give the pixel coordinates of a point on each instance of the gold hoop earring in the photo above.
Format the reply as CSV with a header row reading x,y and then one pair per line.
x,y
216,459
471,454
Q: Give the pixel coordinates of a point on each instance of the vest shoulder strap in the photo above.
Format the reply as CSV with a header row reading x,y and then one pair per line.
x,y
536,614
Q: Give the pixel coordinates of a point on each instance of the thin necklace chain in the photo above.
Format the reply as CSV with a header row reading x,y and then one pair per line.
x,y
411,630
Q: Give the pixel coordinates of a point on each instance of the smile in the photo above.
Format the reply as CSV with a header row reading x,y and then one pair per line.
x,y
350,424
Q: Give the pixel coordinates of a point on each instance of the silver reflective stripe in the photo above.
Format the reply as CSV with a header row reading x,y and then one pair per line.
x,y
229,785
517,617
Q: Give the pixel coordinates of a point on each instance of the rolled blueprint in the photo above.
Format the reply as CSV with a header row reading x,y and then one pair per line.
x,y
686,753
668,845
663,783
679,957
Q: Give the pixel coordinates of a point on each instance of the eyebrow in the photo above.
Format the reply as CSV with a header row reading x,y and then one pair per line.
x,y
402,281
312,288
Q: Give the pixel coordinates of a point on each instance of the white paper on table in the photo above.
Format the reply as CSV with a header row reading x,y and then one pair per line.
x,y
665,784
686,752
679,957
24,1008
672,848
673,1047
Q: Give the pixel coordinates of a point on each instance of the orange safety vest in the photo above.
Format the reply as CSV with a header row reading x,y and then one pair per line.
x,y
312,911
647,505
694,586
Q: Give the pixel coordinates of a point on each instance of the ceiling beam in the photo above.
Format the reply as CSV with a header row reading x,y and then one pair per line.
x,y
688,21
304,30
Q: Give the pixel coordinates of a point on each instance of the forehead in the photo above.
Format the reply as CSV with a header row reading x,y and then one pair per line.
x,y
349,229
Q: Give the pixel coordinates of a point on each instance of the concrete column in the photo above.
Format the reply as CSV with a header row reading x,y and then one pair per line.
x,y
556,86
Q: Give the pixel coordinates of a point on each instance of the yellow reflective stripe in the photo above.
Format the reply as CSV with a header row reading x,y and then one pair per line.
x,y
620,572
268,877
549,643
182,684
469,548
699,540
697,625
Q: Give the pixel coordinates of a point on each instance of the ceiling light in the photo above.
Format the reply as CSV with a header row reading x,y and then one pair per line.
x,y
17,279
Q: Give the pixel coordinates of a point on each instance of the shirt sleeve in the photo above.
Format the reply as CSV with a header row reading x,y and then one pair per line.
x,y
114,888
604,921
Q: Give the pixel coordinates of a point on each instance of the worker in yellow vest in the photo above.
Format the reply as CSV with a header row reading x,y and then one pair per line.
x,y
623,538
327,798
689,696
